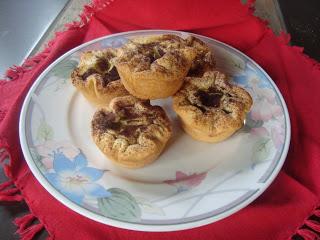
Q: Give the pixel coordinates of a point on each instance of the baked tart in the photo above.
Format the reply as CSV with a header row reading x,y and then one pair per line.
x,y
131,132
97,78
210,108
153,67
204,60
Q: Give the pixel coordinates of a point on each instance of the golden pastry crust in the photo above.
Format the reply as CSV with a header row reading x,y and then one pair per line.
x,y
131,132
210,108
204,60
97,78
153,67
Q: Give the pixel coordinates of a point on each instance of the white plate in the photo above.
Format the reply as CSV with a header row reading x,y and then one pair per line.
x,y
191,184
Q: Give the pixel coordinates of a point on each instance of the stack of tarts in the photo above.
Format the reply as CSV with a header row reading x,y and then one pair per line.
x,y
121,82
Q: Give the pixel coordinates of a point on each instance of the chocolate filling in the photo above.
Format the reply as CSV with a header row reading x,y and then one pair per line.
x,y
107,76
131,129
156,53
210,98
129,113
105,120
89,72
226,111
102,64
152,50
201,64
110,76
196,68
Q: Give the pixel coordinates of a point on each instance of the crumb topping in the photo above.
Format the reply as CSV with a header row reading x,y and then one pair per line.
x,y
141,55
204,60
98,62
213,93
209,98
128,121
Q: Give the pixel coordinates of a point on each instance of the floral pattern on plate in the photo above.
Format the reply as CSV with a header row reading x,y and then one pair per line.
x,y
66,168
191,187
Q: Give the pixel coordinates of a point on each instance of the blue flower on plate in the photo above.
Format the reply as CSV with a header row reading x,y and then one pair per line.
x,y
241,79
250,72
75,179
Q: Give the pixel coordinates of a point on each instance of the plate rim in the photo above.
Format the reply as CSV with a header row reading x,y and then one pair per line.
x,y
137,226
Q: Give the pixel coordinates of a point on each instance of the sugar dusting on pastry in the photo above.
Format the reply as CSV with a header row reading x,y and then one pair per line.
x,y
131,132
210,108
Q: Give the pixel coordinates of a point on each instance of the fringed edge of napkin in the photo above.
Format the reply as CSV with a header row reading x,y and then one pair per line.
x,y
310,228
15,72
313,62
29,225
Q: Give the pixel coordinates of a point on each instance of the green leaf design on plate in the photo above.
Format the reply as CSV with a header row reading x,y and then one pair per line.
x,y
38,160
120,205
64,68
149,207
238,64
261,150
44,131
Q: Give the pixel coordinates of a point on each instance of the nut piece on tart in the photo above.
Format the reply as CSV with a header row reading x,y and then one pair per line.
x,y
210,108
153,67
97,78
131,132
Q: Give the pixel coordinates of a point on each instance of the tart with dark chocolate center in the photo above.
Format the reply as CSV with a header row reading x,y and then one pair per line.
x,y
210,108
97,78
153,67
131,132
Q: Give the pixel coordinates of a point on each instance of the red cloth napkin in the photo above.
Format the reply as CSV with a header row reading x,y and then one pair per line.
x,y
290,206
